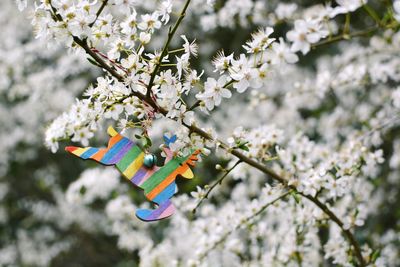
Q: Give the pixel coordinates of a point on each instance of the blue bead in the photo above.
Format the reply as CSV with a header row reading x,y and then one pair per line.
x,y
149,160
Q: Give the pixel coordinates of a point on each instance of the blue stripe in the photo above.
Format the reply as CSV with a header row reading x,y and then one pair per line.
x,y
88,153
166,194
114,150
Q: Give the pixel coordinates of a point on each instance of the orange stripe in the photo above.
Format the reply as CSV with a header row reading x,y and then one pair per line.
x,y
191,163
114,140
99,155
164,184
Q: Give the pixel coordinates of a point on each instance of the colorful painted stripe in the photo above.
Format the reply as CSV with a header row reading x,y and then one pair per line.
x,y
113,150
156,214
114,140
167,193
100,154
167,212
118,156
162,185
159,176
149,173
134,166
79,151
140,174
129,157
88,153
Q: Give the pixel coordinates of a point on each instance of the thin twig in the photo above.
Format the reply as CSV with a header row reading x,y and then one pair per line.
x,y
218,182
103,5
372,14
171,33
243,222
346,36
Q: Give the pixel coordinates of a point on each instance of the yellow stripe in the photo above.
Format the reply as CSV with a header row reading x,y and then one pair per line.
x,y
188,174
134,166
111,131
80,151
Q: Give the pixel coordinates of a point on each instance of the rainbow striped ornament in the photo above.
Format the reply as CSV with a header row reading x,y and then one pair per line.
x,y
158,183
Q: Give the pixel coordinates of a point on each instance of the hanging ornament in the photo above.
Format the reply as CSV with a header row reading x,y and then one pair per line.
x,y
140,168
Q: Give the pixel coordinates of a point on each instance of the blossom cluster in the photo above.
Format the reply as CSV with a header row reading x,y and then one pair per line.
x,y
324,123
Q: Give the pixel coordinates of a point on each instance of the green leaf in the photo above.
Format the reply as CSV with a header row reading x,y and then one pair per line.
x,y
146,141
296,196
92,61
375,255
242,145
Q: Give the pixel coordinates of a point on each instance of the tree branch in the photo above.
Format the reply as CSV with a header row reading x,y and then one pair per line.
x,y
346,36
349,235
83,44
103,5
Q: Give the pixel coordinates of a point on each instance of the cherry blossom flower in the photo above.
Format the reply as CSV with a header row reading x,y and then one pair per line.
x,y
305,33
214,91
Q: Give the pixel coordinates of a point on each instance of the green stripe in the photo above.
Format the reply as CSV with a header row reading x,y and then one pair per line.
x,y
129,157
163,173
159,176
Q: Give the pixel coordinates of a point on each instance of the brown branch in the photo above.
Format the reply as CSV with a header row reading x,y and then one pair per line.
x,y
148,100
349,235
96,57
103,5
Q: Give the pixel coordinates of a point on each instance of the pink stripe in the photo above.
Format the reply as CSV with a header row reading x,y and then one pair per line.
x,y
148,174
168,211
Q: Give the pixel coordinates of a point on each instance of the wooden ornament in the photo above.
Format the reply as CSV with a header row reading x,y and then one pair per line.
x,y
157,182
